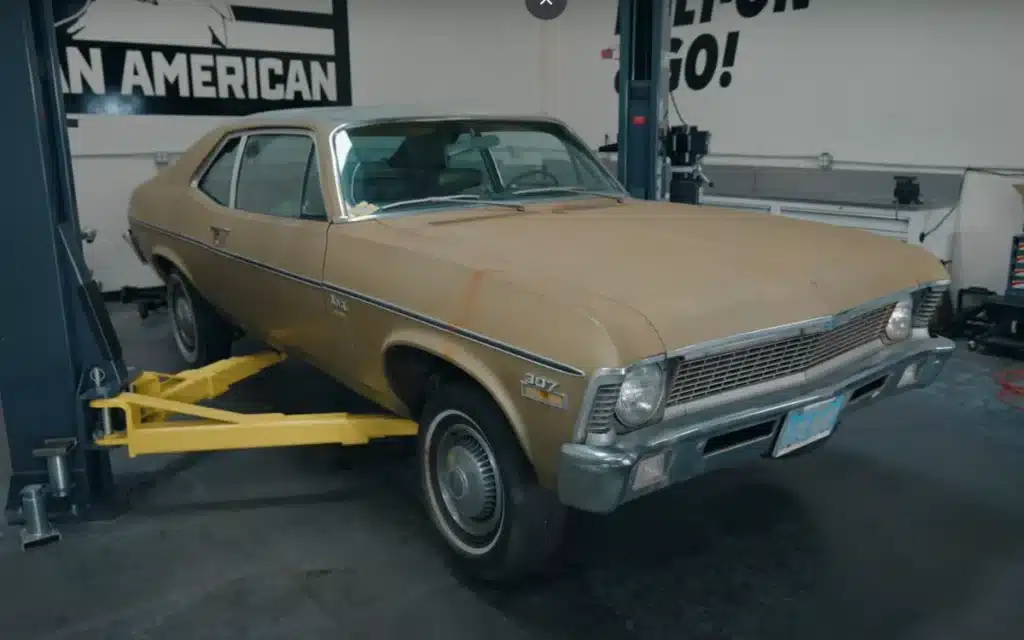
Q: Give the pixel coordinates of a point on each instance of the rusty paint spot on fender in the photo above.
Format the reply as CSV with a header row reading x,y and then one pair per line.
x,y
464,308
463,312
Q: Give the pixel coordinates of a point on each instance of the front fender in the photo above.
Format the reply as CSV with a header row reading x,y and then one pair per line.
x,y
461,357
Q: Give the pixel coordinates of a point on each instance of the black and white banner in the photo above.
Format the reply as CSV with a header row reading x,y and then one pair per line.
x,y
202,57
696,61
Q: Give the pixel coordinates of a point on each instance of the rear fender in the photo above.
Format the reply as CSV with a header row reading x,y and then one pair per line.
x,y
168,254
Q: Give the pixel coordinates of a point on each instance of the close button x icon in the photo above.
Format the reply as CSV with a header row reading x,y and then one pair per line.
x,y
546,9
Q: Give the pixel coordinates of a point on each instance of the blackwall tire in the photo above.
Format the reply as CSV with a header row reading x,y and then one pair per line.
x,y
481,492
201,335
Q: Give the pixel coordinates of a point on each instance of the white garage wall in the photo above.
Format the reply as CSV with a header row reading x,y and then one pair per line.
x,y
489,54
916,84
485,54
913,82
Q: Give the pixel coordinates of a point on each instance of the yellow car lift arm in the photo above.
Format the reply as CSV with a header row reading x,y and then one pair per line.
x,y
157,408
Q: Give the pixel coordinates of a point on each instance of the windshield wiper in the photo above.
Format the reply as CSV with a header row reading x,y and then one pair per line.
x,y
465,197
618,197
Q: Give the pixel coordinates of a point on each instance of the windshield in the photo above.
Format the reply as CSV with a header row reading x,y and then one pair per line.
x,y
422,165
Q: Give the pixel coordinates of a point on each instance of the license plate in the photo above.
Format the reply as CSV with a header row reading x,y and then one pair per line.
x,y
806,425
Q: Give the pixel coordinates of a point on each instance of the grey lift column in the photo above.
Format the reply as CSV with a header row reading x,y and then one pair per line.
x,y
54,329
644,30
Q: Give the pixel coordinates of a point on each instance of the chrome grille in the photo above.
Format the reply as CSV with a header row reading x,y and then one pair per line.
x,y
926,302
603,409
709,375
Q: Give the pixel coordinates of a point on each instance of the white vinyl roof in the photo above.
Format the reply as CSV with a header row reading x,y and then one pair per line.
x,y
368,114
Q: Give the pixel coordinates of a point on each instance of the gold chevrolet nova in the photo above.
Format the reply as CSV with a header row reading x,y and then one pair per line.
x,y
559,342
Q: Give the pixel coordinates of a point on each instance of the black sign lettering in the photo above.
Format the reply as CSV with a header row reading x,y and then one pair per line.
x,y
675,64
171,70
697,61
202,76
231,77
182,60
750,8
707,10
192,81
798,5
271,71
683,16
732,43
701,62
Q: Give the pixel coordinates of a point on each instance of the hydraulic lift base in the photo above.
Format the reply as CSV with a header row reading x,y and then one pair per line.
x,y
160,414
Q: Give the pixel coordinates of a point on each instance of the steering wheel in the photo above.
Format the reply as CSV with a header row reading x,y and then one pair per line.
x,y
542,171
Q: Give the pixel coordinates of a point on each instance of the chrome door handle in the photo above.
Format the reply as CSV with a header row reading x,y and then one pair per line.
x,y
219,234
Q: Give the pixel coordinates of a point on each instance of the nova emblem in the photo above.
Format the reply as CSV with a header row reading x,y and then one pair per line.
x,y
338,304
542,390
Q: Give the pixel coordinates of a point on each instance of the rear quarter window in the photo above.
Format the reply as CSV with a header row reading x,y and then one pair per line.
x,y
216,181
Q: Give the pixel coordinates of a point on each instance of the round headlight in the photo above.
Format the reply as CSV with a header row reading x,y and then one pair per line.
x,y
640,395
901,322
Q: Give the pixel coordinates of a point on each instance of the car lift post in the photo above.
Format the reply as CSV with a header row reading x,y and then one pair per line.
x,y
644,31
58,349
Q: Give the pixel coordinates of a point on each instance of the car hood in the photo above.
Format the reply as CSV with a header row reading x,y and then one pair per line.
x,y
696,273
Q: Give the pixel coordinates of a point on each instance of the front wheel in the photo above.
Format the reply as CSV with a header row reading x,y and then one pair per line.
x,y
479,489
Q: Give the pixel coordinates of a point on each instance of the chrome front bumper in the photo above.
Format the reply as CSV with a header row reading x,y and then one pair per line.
x,y
601,478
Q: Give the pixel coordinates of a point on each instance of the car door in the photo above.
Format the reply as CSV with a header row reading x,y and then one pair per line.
x,y
199,216
276,235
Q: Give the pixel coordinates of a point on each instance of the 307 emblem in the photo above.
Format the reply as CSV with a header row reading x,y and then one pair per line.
x,y
543,390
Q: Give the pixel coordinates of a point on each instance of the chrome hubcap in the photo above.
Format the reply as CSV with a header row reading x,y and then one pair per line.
x,y
184,320
468,479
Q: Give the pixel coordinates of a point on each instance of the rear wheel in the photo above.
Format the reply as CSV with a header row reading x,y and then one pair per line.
x,y
479,489
200,333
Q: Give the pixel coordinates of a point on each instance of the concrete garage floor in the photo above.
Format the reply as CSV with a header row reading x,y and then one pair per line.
x,y
908,526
